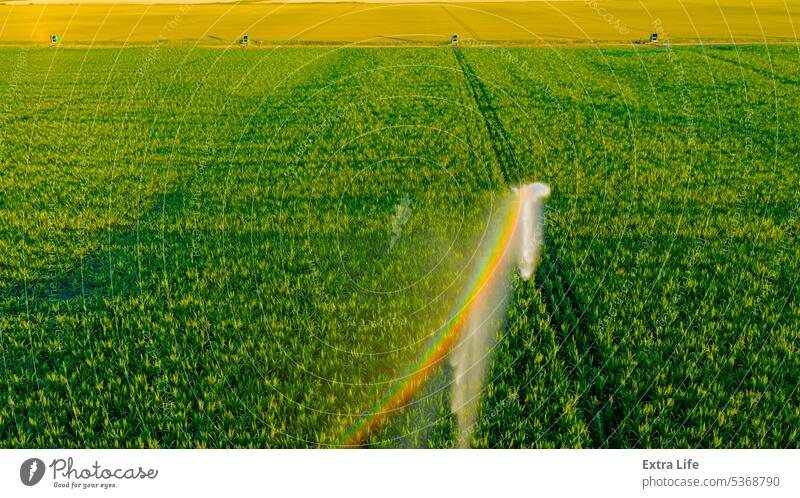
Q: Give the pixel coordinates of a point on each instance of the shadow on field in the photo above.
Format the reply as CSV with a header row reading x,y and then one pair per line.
x,y
116,269
119,268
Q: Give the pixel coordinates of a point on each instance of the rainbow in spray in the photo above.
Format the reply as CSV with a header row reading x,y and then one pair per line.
x,y
518,229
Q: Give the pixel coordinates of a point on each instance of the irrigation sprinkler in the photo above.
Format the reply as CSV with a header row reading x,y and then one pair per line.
x,y
531,235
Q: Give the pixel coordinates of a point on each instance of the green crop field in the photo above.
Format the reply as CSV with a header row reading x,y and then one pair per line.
x,y
245,248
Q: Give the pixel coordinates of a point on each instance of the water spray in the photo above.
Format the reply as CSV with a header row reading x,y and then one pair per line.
x,y
531,234
471,355
515,238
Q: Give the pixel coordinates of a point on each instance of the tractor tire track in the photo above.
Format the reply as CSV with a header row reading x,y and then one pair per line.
x,y
503,149
461,23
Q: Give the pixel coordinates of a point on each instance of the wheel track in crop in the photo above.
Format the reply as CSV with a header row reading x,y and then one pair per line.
x,y
461,23
772,76
503,149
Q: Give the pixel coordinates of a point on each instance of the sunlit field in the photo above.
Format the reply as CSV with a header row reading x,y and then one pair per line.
x,y
211,247
561,22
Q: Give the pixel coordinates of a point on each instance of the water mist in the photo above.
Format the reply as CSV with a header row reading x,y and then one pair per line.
x,y
515,239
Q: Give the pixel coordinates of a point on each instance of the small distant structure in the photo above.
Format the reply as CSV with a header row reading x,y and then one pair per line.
x,y
244,41
54,39
653,37
454,39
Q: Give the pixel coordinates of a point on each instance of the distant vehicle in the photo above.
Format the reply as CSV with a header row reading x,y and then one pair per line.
x,y
245,40
653,37
454,39
55,39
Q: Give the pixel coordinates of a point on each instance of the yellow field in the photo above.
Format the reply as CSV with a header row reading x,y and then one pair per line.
x,y
534,22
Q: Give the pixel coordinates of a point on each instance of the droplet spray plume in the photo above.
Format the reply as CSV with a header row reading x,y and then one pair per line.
x,y
515,235
486,315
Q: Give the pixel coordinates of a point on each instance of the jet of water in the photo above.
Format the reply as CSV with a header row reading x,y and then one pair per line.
x,y
520,245
514,236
